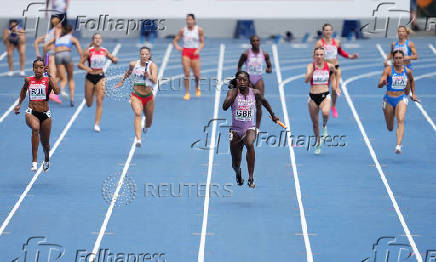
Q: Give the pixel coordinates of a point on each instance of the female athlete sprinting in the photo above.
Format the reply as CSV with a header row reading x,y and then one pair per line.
x,y
38,116
320,73
254,58
193,42
141,99
332,48
63,58
15,37
243,100
404,44
55,29
399,81
95,83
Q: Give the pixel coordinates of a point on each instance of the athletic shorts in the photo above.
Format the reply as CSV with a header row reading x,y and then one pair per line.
x,y
189,52
318,98
94,78
40,115
63,58
393,101
240,131
144,98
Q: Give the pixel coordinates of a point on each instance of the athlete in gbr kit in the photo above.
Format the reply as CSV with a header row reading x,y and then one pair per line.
x,y
332,48
254,58
193,42
144,73
243,99
38,116
399,82
95,83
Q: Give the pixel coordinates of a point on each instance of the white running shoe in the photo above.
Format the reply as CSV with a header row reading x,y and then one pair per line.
x,y
34,166
10,73
324,134
45,166
63,93
97,128
317,150
22,73
138,143
398,149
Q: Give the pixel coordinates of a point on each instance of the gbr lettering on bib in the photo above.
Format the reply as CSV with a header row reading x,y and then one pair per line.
x,y
243,113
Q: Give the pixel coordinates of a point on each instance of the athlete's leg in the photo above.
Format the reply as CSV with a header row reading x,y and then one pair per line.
x,y
33,122
137,107
44,133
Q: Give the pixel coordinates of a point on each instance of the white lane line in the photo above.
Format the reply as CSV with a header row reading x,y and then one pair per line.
x,y
432,48
211,155
125,169
2,56
53,149
421,108
309,254
377,163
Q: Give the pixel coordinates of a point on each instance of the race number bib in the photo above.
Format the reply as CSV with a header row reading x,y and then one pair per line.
x,y
37,92
399,82
320,77
98,61
255,69
243,113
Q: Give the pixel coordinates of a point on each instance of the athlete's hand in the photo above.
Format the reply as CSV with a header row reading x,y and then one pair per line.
x,y
382,83
197,51
119,84
179,48
354,56
268,70
17,109
275,119
415,98
338,91
146,74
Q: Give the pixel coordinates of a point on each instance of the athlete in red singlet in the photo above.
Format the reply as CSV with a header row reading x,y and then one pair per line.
x,y
332,48
38,116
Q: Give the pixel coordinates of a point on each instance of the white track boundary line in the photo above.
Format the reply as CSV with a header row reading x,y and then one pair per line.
x,y
420,107
432,48
5,114
211,155
52,150
377,163
309,254
125,169
2,56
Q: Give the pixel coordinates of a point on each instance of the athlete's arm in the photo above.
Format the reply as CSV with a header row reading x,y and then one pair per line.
x,y
411,84
201,34
176,40
414,55
389,56
81,63
334,79
309,73
22,95
113,58
383,79
5,37
259,97
242,60
52,84
46,45
343,53
268,62
77,44
38,41
230,98
126,74
153,76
